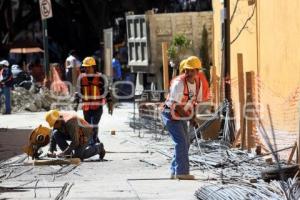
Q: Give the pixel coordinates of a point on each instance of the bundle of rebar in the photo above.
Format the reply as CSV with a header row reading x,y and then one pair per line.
x,y
251,191
234,192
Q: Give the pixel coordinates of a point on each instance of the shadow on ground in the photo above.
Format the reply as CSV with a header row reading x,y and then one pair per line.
x,y
12,141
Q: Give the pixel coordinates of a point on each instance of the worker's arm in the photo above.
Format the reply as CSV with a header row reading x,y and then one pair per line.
x,y
205,87
175,96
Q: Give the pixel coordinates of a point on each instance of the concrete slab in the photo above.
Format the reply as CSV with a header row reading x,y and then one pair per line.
x,y
102,180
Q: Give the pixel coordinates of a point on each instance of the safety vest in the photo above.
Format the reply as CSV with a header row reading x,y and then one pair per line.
x,y
185,98
205,94
91,91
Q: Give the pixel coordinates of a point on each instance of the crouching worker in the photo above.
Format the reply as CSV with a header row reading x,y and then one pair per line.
x,y
68,127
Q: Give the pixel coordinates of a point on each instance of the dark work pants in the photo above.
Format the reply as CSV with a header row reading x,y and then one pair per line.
x,y
93,117
82,151
6,92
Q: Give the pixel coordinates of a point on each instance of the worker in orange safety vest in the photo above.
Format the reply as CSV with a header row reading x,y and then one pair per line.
x,y
186,91
94,94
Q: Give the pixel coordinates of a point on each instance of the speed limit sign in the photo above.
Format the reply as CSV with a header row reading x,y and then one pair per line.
x,y
46,9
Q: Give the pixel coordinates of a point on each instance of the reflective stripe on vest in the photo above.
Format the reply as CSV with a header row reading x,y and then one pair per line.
x,y
85,93
91,92
204,90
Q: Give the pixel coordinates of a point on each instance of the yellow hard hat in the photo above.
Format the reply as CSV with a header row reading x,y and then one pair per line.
x,y
181,65
39,137
51,117
88,62
192,62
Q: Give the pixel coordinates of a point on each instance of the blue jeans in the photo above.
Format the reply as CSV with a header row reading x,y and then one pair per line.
x,y
6,92
82,151
180,136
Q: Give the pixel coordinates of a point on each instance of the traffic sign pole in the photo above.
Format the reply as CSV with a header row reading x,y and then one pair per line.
x,y
45,42
46,13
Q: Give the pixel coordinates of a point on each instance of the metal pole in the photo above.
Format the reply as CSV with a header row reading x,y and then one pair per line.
x,y
228,112
45,43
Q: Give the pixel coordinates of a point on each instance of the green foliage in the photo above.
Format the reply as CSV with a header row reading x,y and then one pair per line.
x,y
179,43
172,52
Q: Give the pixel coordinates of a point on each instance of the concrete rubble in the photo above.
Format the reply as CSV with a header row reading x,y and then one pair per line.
x,y
35,99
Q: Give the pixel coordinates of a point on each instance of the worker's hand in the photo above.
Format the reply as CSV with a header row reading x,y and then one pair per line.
x,y
61,155
51,154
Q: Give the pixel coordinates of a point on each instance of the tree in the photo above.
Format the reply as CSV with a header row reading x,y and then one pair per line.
x,y
179,49
204,53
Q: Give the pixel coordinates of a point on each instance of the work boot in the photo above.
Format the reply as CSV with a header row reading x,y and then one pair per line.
x,y
101,151
185,177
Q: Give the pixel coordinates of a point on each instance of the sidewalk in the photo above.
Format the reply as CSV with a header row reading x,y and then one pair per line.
x,y
131,158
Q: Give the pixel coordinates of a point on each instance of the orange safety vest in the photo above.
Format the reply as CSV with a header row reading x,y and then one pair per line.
x,y
91,92
185,98
204,86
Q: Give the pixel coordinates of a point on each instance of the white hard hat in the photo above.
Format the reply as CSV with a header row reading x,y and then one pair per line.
x,y
4,62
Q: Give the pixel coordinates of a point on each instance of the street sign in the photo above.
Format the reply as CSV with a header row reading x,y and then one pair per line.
x,y
46,9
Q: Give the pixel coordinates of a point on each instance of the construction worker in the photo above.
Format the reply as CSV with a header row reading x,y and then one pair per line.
x,y
72,65
93,93
68,127
178,110
6,84
117,68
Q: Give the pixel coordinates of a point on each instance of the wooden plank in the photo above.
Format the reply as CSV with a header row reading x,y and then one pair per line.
x,y
249,109
69,161
292,153
240,70
165,65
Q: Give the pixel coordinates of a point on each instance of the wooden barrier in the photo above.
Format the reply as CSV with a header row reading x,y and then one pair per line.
x,y
242,130
250,77
165,65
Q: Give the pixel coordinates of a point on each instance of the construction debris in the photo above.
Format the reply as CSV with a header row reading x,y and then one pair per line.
x,y
36,99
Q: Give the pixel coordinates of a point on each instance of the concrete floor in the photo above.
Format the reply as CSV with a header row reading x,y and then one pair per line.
x,y
111,179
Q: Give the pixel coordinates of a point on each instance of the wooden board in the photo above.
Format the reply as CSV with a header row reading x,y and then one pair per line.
x,y
69,161
165,66
250,76
241,99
